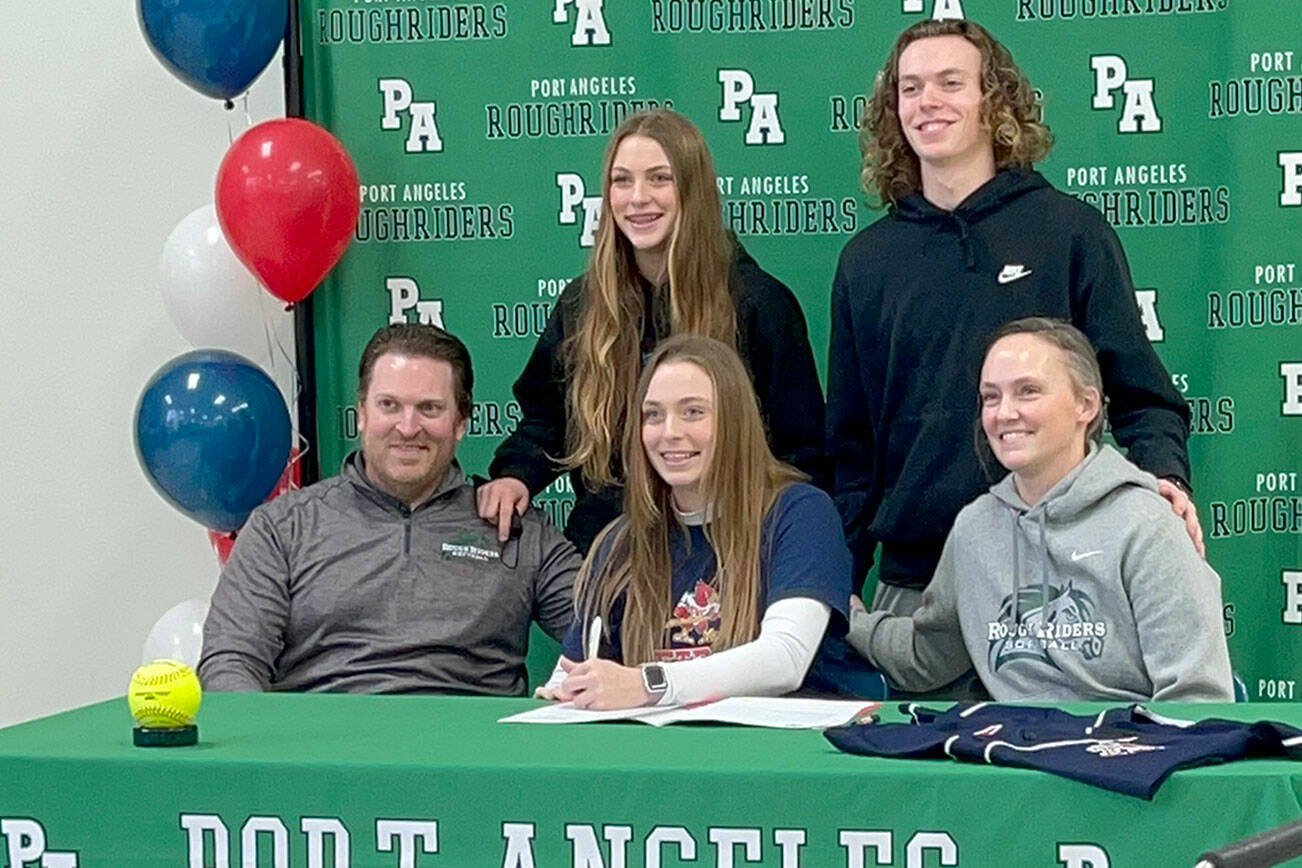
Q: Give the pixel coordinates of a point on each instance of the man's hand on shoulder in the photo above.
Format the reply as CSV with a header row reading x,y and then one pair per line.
x,y
1183,506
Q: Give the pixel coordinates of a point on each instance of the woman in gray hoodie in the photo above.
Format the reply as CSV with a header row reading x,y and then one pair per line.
x,y
1071,579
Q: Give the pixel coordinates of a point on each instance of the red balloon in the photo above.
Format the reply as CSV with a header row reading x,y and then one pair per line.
x,y
290,480
288,199
222,543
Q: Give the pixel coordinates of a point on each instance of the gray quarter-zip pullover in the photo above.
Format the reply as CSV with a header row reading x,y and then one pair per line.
x,y
341,587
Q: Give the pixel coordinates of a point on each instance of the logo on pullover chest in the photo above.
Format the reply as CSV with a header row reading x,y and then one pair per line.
x,y
1012,271
470,546
1042,619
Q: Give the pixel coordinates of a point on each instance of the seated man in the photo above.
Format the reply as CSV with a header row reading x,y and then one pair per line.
x,y
384,579
1071,579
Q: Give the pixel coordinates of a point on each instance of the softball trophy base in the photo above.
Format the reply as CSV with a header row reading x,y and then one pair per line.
x,y
180,736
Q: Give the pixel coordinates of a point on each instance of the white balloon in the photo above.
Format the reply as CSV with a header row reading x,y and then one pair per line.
x,y
214,300
178,635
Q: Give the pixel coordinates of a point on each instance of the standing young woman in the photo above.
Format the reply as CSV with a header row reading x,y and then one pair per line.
x,y
1071,579
662,264
722,575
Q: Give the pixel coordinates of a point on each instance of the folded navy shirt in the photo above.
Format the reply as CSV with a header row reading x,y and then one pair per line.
x,y
1128,750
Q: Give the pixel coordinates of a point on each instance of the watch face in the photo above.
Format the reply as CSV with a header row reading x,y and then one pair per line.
x,y
653,676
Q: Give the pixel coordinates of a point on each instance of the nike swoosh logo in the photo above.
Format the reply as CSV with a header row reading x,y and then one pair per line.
x,y
1080,556
1011,273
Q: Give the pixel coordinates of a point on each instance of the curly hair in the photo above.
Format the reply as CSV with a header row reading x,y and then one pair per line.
x,y
1009,110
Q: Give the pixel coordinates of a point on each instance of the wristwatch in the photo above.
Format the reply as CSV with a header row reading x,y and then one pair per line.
x,y
653,678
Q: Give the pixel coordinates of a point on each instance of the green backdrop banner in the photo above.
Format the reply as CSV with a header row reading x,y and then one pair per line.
x,y
327,781
478,130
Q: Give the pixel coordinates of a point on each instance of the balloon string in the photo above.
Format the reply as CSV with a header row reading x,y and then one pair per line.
x,y
277,349
230,109
304,446
270,339
298,391
278,353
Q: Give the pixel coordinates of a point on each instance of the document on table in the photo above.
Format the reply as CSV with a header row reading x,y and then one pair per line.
x,y
774,712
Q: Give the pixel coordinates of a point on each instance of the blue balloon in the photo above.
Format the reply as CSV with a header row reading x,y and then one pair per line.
x,y
213,436
217,47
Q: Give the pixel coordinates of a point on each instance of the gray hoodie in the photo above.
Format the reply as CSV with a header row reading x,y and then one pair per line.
x,y
1094,593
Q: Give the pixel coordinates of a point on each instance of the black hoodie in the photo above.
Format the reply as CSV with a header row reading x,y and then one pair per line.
x,y
914,302
772,340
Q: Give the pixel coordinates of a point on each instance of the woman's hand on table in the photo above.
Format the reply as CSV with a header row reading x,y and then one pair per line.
x,y
602,685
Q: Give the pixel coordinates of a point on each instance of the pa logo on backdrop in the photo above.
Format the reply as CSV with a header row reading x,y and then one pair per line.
x,y
404,298
940,9
1292,580
1291,373
575,199
1139,111
399,102
589,22
1290,191
764,126
1146,298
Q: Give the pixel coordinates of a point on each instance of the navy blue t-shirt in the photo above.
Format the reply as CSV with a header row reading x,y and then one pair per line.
x,y
803,554
1130,750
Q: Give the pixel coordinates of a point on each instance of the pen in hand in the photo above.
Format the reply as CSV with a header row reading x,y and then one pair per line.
x,y
594,639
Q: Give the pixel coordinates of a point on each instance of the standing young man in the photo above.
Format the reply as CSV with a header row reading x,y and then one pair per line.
x,y
974,238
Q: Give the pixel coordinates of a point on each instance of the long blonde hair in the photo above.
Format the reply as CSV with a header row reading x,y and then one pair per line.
x,y
1009,109
740,485
605,352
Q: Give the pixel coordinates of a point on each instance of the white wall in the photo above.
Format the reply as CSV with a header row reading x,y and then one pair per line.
x,y
102,152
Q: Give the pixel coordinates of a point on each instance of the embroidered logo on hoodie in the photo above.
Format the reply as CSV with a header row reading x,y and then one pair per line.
x,y
1040,619
1012,271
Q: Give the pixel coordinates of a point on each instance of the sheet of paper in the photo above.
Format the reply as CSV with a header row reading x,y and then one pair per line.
x,y
564,712
774,712
768,711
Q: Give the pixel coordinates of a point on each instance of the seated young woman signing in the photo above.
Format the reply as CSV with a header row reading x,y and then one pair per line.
x,y
723,573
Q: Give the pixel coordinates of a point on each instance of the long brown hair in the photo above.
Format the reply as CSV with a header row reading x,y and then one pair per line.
x,y
1009,109
604,354
740,485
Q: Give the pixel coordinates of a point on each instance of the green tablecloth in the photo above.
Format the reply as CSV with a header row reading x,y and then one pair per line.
x,y
274,774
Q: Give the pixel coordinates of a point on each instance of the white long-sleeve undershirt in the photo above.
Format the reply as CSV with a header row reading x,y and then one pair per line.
x,y
773,663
